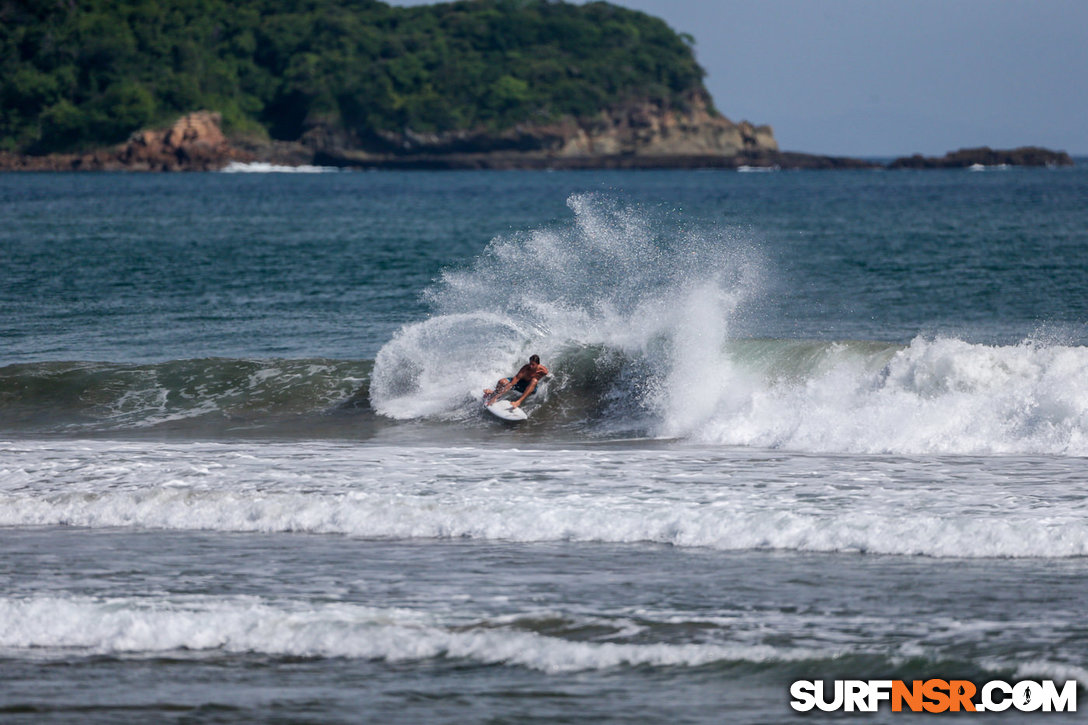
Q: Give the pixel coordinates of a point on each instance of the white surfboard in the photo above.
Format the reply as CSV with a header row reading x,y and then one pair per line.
x,y
503,409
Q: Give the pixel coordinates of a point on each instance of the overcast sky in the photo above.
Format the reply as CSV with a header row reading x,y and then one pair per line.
x,y
894,77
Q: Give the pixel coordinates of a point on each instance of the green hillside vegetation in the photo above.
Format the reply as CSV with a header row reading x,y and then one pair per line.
x,y
82,73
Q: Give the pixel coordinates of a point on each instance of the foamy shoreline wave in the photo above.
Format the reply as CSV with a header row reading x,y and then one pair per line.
x,y
893,533
65,626
683,498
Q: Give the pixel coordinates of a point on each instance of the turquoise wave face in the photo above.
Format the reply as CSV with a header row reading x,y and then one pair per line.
x,y
211,395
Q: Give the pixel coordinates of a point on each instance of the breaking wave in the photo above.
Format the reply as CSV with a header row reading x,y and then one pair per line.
x,y
647,326
638,318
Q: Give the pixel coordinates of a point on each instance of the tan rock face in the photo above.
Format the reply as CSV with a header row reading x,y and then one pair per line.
x,y
641,130
194,143
196,129
646,129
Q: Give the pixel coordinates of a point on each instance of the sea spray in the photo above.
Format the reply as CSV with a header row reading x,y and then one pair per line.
x,y
423,369
630,283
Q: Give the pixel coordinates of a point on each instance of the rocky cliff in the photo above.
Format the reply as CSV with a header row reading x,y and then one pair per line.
x,y
644,134
642,128
637,134
194,142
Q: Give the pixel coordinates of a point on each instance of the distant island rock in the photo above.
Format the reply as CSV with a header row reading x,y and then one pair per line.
x,y
985,156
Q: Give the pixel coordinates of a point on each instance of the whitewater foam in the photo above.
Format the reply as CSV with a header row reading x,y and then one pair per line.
x,y
685,498
63,626
637,316
933,396
261,167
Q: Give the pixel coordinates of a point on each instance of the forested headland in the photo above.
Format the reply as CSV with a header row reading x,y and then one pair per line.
x,y
76,74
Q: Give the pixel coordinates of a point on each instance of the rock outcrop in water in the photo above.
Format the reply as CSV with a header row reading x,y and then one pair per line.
x,y
193,142
985,156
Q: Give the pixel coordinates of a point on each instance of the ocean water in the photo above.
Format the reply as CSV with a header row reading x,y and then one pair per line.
x,y
800,425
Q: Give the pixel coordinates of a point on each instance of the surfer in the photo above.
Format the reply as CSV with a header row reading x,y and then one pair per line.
x,y
524,382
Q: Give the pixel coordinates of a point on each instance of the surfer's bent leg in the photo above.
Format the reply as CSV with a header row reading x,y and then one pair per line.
x,y
528,390
499,390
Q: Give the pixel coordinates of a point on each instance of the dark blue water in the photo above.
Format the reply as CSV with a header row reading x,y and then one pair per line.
x,y
152,268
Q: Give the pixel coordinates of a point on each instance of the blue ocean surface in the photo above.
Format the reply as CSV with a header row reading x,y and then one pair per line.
x,y
800,425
